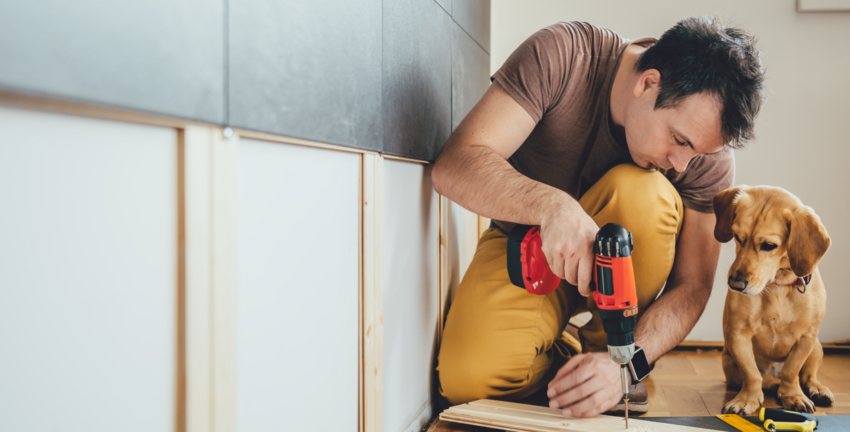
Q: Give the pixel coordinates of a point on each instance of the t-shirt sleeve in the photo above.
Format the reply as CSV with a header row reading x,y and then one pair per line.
x,y
535,74
705,177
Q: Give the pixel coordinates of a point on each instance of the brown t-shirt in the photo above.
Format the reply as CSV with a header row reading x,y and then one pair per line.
x,y
562,75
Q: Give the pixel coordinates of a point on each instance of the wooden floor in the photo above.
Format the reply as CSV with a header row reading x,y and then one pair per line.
x,y
691,383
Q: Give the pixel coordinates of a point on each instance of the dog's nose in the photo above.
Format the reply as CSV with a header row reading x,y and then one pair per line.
x,y
737,284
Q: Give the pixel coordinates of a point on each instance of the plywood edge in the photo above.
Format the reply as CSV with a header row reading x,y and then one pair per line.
x,y
372,293
692,345
404,159
86,109
180,349
483,225
197,148
224,204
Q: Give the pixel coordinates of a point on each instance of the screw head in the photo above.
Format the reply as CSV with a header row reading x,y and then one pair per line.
x,y
227,132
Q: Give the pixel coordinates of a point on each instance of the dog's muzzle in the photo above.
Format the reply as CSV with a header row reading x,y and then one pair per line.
x,y
737,284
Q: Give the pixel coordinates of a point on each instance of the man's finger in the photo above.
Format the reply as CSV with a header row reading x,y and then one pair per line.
x,y
595,404
567,382
558,265
571,270
575,394
585,273
576,361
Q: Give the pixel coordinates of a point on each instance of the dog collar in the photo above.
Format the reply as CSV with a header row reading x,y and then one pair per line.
x,y
801,283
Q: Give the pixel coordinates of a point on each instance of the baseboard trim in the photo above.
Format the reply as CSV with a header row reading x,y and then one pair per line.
x,y
713,345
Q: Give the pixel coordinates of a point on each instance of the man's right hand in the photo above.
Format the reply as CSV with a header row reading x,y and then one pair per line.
x,y
568,234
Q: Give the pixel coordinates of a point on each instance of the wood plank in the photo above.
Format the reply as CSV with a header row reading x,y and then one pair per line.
x,y
197,142
483,224
372,402
224,257
530,418
180,388
83,109
445,264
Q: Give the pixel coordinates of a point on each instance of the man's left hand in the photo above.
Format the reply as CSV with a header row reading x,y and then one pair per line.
x,y
588,385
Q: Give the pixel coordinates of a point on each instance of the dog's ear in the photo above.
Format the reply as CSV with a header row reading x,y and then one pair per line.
x,y
724,210
807,240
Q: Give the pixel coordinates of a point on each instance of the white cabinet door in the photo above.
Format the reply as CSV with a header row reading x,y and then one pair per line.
x,y
88,274
298,288
411,293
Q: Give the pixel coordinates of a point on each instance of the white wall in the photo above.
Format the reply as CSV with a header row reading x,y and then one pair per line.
x,y
298,288
803,131
88,274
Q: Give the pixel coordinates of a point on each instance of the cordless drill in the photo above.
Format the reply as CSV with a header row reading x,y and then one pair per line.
x,y
613,285
616,297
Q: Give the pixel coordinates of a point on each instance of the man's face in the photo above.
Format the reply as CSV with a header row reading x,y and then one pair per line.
x,y
669,137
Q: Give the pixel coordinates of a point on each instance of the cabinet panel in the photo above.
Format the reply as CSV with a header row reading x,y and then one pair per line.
x,y
298,289
307,69
160,56
88,274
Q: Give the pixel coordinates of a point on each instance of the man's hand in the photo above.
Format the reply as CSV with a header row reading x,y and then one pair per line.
x,y
588,385
568,234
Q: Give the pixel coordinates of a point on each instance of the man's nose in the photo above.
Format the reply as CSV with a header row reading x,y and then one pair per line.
x,y
680,161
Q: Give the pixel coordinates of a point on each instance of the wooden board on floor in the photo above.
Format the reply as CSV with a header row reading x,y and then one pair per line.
x,y
528,418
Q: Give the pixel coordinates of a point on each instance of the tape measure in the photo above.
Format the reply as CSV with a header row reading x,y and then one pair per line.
x,y
739,423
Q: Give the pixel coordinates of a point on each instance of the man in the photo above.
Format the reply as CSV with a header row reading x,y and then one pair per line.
x,y
579,128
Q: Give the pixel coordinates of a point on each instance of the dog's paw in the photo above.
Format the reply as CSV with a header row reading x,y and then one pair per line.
x,y
798,402
819,394
744,404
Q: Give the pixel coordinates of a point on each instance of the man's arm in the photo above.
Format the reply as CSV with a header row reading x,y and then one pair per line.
x,y
672,316
472,170
589,384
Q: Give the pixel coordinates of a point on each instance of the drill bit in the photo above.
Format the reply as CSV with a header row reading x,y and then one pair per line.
x,y
624,381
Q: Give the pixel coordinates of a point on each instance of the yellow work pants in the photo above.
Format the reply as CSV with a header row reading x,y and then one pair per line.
x,y
500,342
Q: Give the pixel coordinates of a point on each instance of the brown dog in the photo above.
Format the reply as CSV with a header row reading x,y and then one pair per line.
x,y
772,314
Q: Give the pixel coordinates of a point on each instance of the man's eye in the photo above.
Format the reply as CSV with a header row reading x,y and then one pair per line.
x,y
768,246
681,143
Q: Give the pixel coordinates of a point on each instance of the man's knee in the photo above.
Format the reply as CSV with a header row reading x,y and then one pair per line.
x,y
637,197
468,375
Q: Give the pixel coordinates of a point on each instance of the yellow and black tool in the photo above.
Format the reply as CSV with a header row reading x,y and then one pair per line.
x,y
783,420
739,423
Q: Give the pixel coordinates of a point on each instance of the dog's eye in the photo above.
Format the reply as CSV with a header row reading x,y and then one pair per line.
x,y
768,246
737,239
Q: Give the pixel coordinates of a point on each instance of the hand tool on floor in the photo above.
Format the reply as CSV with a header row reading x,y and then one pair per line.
x,y
739,423
784,420
613,288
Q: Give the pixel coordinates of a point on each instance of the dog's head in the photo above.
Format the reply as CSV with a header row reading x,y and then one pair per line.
x,y
775,235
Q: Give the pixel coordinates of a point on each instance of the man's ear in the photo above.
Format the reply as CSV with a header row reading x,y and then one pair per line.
x,y
724,210
647,80
807,240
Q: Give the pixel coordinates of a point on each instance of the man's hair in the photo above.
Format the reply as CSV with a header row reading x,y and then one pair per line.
x,y
700,55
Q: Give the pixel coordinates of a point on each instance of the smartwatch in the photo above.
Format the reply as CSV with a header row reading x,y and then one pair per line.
x,y
639,367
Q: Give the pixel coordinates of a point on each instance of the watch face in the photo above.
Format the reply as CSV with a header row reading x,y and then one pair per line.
x,y
639,367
